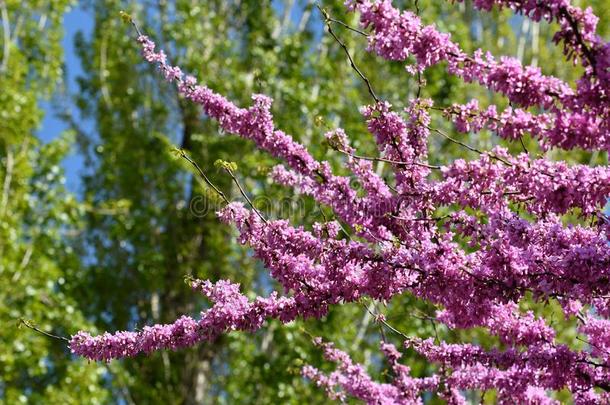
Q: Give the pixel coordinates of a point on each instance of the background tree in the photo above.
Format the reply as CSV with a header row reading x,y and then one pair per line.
x,y
38,220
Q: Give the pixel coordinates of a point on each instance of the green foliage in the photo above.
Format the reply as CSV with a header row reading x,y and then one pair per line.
x,y
223,164
38,220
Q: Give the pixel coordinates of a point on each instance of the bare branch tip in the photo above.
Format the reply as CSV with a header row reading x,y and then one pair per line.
x,y
29,325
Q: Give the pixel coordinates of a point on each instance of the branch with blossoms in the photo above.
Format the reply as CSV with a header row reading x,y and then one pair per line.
x,y
504,242
577,26
400,35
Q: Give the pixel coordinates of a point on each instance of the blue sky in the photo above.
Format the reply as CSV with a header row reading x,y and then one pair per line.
x,y
75,20
79,19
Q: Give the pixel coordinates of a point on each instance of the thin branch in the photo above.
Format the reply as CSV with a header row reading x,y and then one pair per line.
x,y
349,27
523,145
339,222
380,319
329,28
471,148
243,193
380,159
451,111
581,317
458,142
28,325
126,17
587,53
203,175
601,349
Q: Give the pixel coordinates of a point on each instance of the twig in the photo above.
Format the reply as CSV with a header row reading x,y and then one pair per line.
x,y
329,28
34,328
126,17
339,222
581,317
387,325
523,145
380,159
592,345
349,27
585,49
432,320
243,193
203,175
471,148
417,7
451,111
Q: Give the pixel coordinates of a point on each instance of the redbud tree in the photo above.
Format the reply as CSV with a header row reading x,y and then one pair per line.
x,y
507,233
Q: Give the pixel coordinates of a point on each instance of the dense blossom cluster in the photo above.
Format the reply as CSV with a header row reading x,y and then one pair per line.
x,y
577,25
231,311
504,239
351,378
398,35
518,376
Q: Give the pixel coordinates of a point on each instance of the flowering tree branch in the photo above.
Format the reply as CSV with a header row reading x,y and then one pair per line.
x,y
504,241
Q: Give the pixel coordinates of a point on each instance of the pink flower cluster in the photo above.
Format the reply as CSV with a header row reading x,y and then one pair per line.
x,y
566,131
231,311
542,186
578,26
352,379
578,118
598,332
505,238
398,35
518,376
